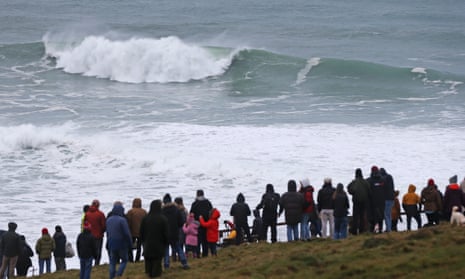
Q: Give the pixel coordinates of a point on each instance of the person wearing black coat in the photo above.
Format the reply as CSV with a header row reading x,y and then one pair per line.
x,y
293,203
378,200
240,211
201,207
24,259
389,197
154,238
175,223
87,251
60,248
10,247
269,203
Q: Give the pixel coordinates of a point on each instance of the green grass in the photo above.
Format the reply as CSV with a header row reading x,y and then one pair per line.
x,y
435,252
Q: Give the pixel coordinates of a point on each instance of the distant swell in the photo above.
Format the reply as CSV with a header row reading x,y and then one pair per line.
x,y
161,60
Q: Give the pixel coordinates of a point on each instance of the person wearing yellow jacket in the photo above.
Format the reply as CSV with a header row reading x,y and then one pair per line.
x,y
410,204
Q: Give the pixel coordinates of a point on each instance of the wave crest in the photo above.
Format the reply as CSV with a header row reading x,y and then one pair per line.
x,y
138,60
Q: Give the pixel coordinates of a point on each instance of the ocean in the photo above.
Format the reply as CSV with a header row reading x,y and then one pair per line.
x,y
114,100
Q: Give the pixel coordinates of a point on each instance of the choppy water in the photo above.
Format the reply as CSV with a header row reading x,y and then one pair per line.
x,y
116,100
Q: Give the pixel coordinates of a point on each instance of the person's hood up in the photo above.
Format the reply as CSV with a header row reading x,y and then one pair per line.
x,y
215,214
412,188
118,210
269,188
155,206
190,218
240,198
431,182
137,203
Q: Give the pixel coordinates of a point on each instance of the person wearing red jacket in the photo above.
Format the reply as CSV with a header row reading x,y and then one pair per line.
x,y
97,221
212,227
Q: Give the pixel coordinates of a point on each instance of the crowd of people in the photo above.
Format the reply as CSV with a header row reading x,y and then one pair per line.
x,y
169,232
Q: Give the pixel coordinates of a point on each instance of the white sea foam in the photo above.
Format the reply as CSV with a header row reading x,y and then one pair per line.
x,y
419,70
71,167
302,74
138,60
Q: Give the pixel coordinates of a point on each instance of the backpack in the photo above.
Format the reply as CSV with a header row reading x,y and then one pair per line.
x,y
270,201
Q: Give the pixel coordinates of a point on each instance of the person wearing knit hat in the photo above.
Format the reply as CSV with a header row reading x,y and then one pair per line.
x,y
453,196
201,207
432,202
411,204
45,245
59,253
86,250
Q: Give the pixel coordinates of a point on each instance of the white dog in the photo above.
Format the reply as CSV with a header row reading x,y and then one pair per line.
x,y
457,217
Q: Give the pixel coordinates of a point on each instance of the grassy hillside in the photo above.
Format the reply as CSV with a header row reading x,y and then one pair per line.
x,y
436,252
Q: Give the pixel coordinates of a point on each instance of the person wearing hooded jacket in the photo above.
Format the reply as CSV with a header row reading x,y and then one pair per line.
x,y
212,226
240,211
453,196
432,202
359,188
60,248
377,199
269,203
411,203
388,184
292,203
134,217
86,250
310,212
175,222
119,240
154,236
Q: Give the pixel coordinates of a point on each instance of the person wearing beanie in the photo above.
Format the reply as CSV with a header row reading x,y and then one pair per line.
x,y
119,241
292,203
201,207
135,216
326,208
432,202
175,223
60,248
359,188
87,251
240,211
10,246
45,245
269,203
411,204
453,196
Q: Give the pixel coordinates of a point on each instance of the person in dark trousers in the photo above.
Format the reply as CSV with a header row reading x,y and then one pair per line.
x,y
377,200
359,188
201,207
87,251
240,211
154,237
432,202
60,248
24,260
10,248
341,210
135,216
269,203
175,222
96,218
257,227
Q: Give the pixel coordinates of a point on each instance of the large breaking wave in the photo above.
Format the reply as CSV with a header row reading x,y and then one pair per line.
x,y
138,60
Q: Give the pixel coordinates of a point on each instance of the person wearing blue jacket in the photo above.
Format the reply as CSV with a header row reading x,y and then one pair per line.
x,y
119,240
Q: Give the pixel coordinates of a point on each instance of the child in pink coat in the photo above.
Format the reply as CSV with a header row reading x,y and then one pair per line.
x,y
191,230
